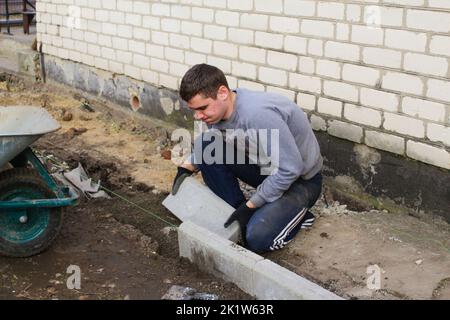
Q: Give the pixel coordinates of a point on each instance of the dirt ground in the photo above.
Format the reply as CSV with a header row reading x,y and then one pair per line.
x,y
126,253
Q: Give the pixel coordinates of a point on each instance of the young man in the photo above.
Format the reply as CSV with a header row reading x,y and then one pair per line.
x,y
279,208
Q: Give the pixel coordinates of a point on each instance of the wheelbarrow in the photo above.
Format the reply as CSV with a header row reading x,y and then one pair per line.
x,y
31,203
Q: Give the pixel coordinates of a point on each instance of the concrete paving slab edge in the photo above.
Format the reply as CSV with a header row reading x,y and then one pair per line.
x,y
257,276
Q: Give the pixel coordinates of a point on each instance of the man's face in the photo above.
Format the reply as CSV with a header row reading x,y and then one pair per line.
x,y
209,110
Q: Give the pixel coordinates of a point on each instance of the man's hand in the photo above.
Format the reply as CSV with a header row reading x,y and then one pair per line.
x,y
242,215
182,174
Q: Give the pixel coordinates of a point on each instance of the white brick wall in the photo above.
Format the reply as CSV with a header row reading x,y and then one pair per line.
x,y
370,71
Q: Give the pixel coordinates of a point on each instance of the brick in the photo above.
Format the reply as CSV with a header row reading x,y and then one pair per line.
x,y
254,21
402,82
367,35
225,49
428,154
202,14
178,69
244,70
295,44
179,41
345,130
439,4
214,32
193,58
438,133
191,28
317,28
406,40
342,31
273,76
141,34
359,74
318,123
132,72
379,99
141,61
124,31
117,17
269,6
227,18
404,125
155,51
109,4
214,3
330,107
241,36
159,9
342,51
133,19
201,45
251,85
331,10
353,13
170,25
382,57
284,25
306,65
340,90
315,47
181,12
299,8
306,101
388,16
328,68
428,20
108,53
169,81
159,65
384,141
305,83
282,60
136,46
175,55
252,54
406,2
102,15
150,76
440,45
269,40
115,67
362,115
245,5
423,109
438,89
222,64
286,93
102,64
425,64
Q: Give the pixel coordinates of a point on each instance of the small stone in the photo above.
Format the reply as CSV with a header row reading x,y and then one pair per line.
x,y
67,116
419,262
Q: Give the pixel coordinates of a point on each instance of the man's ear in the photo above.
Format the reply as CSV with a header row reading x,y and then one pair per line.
x,y
222,93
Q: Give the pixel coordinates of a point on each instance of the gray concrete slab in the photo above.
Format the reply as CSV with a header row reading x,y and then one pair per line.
x,y
252,273
217,255
197,203
273,282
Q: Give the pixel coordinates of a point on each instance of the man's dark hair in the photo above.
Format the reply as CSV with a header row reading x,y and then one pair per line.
x,y
202,79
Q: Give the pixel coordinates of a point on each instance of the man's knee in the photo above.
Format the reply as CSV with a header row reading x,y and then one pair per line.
x,y
259,238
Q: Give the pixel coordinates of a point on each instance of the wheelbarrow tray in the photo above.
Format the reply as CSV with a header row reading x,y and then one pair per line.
x,y
20,126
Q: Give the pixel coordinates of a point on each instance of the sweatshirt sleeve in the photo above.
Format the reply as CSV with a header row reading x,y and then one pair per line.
x,y
285,158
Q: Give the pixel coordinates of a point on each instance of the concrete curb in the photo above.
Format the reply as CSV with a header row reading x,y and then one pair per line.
x,y
254,274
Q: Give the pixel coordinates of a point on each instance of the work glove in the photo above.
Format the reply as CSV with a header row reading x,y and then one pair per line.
x,y
182,174
242,215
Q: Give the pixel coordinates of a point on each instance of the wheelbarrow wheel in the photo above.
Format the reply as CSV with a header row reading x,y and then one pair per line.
x,y
26,232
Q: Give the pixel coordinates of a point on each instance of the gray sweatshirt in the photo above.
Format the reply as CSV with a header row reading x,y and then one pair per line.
x,y
297,147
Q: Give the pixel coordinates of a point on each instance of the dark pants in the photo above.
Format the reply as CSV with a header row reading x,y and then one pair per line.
x,y
274,224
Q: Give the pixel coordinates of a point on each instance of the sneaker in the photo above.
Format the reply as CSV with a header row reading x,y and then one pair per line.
x,y
307,220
